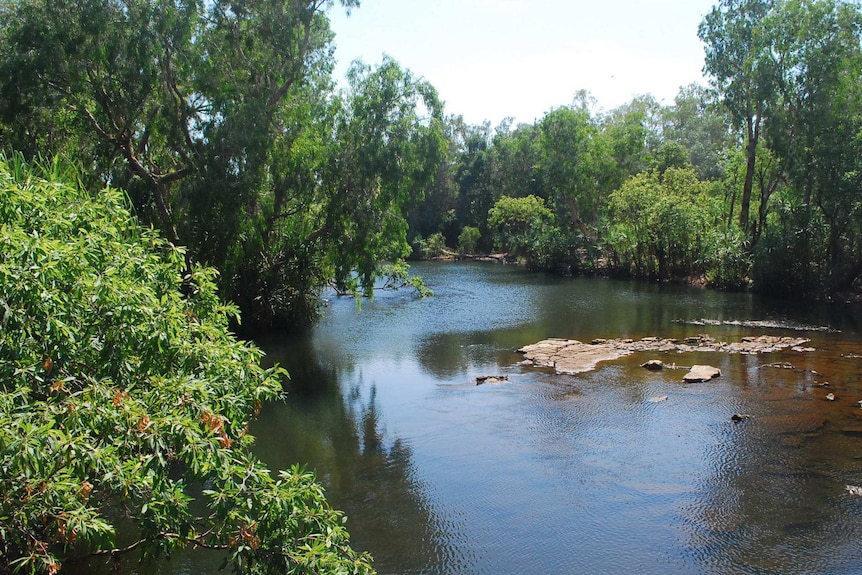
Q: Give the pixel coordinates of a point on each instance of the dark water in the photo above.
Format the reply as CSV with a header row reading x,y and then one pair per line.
x,y
572,474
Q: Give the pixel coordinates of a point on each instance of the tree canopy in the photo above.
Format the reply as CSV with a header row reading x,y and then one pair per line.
x,y
222,123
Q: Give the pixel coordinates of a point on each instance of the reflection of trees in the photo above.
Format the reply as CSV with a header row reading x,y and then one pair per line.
x,y
448,355
337,432
775,502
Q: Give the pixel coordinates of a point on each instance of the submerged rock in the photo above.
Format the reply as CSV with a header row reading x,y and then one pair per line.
x,y
491,379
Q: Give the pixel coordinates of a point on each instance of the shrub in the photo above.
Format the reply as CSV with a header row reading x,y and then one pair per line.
x,y
468,239
122,394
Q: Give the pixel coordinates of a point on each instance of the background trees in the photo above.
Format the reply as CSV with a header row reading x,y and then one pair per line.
x,y
776,135
221,122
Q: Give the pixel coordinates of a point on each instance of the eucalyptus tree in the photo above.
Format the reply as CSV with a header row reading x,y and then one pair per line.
x,y
699,123
221,121
472,178
157,92
573,163
634,132
389,141
740,64
817,47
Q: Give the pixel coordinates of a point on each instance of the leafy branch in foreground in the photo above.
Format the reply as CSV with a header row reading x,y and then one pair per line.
x,y
123,398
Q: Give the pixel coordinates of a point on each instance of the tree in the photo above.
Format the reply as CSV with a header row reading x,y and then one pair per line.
x,y
389,142
815,131
570,167
699,123
468,239
124,399
739,61
472,177
521,226
663,225
220,121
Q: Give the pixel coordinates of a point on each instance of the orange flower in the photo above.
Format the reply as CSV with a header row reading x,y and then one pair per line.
x,y
119,397
86,489
144,422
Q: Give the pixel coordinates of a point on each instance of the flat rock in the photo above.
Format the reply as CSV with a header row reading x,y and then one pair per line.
x,y
569,356
701,373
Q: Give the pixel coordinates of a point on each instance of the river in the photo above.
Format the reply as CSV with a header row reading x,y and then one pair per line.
x,y
577,474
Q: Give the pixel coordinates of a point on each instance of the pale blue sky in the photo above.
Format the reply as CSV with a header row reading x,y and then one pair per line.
x,y
495,58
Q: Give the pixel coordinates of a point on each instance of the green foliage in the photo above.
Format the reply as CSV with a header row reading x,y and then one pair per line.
x,y
728,261
397,276
521,226
468,239
663,225
221,122
122,394
429,248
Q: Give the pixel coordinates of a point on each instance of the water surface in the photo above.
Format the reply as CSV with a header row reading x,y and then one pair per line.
x,y
573,474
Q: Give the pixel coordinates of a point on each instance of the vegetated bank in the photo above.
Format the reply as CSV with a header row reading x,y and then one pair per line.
x,y
125,401
227,131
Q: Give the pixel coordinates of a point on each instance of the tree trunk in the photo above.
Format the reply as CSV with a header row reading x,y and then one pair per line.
x,y
753,130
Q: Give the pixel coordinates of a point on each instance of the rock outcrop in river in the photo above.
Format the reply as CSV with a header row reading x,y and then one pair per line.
x,y
569,356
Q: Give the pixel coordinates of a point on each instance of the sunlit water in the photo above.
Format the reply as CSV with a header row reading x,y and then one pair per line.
x,y
573,474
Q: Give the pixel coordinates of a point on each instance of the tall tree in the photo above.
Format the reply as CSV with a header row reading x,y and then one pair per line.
x,y
220,120
739,62
699,123
816,129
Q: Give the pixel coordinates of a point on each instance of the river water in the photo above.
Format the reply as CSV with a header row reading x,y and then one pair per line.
x,y
574,474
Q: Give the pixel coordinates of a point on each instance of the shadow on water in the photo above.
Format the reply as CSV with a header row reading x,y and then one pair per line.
x,y
333,422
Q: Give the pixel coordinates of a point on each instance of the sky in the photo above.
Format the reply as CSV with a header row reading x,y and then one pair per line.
x,y
493,59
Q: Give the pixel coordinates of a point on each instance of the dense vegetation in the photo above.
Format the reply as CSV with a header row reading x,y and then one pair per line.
x,y
223,124
123,393
123,397
754,181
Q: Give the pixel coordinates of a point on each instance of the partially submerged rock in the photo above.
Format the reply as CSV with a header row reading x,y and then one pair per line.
x,y
491,379
701,373
569,356
653,365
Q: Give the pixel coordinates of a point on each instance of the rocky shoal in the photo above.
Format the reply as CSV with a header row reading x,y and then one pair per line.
x,y
569,356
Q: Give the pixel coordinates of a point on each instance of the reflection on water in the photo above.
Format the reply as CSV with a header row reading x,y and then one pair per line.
x,y
573,474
